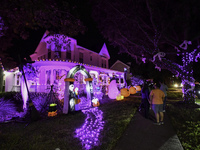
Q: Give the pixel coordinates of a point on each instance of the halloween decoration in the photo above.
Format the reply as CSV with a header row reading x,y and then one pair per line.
x,y
138,88
125,92
132,90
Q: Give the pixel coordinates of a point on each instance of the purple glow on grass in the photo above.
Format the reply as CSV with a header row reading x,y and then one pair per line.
x,y
90,131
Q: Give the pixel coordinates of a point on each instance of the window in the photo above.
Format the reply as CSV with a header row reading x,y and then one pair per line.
x,y
90,57
18,79
103,63
81,57
68,55
49,53
57,53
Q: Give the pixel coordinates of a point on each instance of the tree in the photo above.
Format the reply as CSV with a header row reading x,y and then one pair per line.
x,y
20,20
152,31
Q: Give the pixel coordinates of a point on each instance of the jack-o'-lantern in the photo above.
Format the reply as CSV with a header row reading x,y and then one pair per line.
x,y
138,88
132,90
124,92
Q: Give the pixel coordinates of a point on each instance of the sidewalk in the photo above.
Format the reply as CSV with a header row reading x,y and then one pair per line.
x,y
142,134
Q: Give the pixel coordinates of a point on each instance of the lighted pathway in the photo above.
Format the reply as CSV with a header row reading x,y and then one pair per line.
x,y
142,134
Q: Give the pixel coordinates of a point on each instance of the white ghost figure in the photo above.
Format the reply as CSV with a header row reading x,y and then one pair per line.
x,y
24,91
113,90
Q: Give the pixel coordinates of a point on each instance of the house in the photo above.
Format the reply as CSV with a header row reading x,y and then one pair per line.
x,y
122,67
59,61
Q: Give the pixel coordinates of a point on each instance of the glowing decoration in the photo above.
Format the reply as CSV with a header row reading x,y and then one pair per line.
x,y
159,55
52,110
90,131
144,60
184,45
156,67
176,85
132,90
113,90
138,88
125,92
24,92
95,102
120,97
198,56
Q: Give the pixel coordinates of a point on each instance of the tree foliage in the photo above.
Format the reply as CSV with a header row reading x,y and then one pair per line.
x,y
143,28
153,31
19,19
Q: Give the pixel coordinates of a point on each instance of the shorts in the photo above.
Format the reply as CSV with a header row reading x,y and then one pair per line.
x,y
157,108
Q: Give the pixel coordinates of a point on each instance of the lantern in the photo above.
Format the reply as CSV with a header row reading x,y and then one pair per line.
x,y
138,88
132,90
125,92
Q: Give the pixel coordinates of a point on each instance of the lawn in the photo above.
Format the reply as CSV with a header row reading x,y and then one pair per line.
x,y
59,131
50,133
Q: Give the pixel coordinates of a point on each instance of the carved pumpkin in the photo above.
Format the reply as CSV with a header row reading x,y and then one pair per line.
x,y
132,90
138,88
125,92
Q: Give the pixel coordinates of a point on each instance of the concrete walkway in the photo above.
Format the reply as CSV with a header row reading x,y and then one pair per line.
x,y
142,134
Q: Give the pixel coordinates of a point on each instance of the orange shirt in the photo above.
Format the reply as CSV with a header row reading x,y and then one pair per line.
x,y
157,96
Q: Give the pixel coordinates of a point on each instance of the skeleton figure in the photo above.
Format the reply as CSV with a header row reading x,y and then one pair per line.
x,y
184,44
159,55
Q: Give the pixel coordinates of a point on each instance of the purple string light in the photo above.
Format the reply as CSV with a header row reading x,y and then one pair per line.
x,y
90,131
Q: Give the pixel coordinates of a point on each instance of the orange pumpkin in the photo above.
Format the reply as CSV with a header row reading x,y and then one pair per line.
x,y
96,104
132,90
124,92
138,88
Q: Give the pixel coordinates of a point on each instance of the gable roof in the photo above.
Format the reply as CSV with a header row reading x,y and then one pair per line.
x,y
104,51
118,61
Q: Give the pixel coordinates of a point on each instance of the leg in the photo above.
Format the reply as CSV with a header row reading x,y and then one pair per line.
x,y
157,117
161,116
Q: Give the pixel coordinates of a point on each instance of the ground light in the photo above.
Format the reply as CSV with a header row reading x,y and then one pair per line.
x,y
90,131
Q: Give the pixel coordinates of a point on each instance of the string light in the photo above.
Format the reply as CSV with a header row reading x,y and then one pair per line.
x,y
90,131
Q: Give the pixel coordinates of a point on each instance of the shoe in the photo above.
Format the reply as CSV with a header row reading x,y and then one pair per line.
x,y
157,123
161,122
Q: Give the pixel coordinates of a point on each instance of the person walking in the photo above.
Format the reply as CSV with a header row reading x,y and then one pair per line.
x,y
164,88
156,100
145,99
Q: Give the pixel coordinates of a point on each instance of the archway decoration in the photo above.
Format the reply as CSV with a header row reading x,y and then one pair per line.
x,y
71,99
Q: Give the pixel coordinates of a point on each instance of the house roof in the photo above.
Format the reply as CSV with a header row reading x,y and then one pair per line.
x,y
118,61
104,51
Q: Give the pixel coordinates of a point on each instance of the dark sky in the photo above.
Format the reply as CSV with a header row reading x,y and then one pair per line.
x,y
92,38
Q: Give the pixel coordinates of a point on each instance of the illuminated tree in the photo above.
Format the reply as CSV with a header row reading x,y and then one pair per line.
x,y
151,31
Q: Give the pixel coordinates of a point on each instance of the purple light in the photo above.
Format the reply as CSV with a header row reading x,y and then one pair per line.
x,y
90,131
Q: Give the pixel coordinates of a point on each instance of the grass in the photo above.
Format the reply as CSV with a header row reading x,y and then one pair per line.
x,y
59,131
185,120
